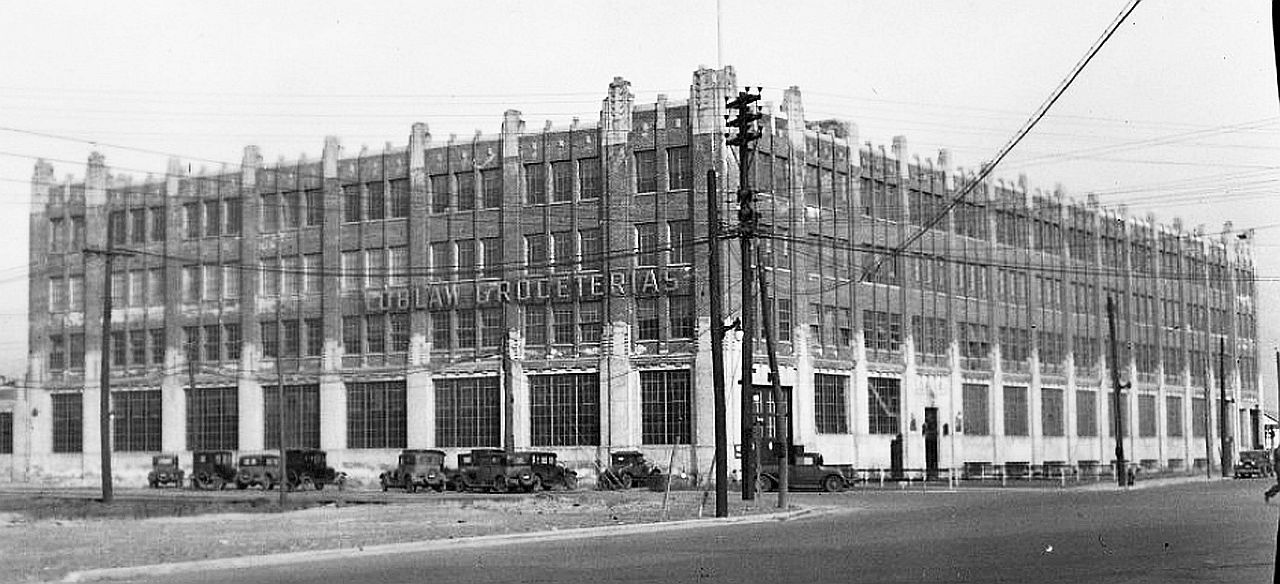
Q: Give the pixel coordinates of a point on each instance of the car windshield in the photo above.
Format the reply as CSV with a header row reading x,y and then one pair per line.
x,y
165,460
250,461
519,459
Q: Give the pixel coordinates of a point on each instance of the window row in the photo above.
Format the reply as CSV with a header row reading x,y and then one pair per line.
x,y
205,219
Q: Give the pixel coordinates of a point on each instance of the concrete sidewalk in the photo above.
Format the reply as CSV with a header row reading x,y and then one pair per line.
x,y
430,545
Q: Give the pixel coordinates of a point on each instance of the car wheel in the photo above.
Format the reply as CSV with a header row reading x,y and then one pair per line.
x,y
499,484
410,487
319,486
833,484
460,485
203,482
438,488
570,483
765,484
217,484
536,485
153,484
625,480
241,486
306,484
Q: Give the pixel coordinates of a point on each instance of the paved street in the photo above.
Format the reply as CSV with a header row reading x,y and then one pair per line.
x,y
1197,532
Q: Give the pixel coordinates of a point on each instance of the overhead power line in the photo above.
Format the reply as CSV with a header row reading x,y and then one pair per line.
x,y
1022,132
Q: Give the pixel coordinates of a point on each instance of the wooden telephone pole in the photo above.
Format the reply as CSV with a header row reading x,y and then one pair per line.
x,y
1117,387
717,346
104,379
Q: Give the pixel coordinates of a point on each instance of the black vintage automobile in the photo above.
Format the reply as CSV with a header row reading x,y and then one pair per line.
x,y
807,471
493,469
258,470
165,472
548,473
306,469
416,469
1254,463
627,468
212,469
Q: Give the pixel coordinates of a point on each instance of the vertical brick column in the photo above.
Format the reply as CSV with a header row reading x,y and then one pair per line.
x,y
419,391
706,120
95,210
333,395
32,418
620,411
249,386
513,254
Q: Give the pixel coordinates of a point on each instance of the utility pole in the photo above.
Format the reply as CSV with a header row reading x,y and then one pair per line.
x,y
192,351
1208,422
104,380
1117,415
284,468
717,345
1224,435
508,389
781,405
747,219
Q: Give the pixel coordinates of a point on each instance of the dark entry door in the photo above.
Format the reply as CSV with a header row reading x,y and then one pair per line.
x,y
931,442
895,458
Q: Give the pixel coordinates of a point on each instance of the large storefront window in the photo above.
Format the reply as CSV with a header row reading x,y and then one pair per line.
x,y
1147,416
301,416
1173,416
1015,411
665,407
376,414
68,422
1051,408
6,432
829,411
137,421
468,412
565,409
213,418
883,405
1086,413
976,418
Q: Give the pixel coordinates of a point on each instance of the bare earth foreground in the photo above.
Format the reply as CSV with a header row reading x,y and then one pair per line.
x,y
45,536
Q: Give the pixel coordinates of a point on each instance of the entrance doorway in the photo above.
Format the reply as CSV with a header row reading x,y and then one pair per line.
x,y
931,443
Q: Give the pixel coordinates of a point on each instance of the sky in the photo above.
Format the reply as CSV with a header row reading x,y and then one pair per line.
x,y
1177,115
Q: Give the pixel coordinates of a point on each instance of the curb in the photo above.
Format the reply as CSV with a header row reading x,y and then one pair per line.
x,y
105,574
1151,483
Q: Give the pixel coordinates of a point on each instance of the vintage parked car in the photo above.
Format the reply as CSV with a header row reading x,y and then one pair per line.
x,y
490,468
307,470
259,470
807,471
627,468
548,473
165,471
1254,463
416,469
212,469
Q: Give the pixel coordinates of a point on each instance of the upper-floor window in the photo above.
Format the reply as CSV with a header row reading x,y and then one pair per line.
x,y
646,244
589,178
562,181
535,176
679,170
492,183
646,171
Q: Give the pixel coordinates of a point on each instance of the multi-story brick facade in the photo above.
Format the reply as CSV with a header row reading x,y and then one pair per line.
x,y
380,289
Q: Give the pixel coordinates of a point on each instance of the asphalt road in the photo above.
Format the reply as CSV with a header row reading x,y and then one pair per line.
x,y
1198,532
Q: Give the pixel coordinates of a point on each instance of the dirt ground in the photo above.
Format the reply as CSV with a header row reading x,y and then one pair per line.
x,y
46,536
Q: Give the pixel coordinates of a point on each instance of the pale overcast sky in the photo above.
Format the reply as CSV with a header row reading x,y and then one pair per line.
x,y
1178,115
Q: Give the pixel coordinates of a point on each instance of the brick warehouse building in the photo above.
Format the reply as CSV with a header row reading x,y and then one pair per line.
x,y
398,277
